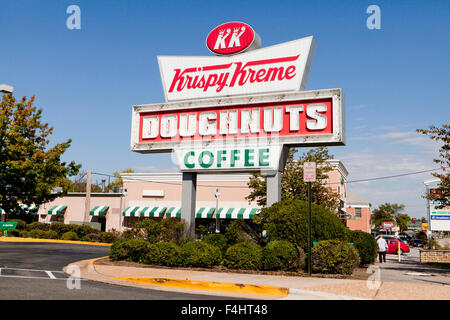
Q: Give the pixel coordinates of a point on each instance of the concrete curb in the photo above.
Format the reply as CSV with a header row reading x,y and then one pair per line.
x,y
15,239
235,290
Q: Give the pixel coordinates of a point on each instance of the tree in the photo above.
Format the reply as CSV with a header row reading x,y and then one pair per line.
x,y
387,213
292,184
29,168
441,134
118,181
402,220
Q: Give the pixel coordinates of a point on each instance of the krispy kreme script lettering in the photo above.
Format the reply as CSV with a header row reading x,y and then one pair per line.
x,y
220,76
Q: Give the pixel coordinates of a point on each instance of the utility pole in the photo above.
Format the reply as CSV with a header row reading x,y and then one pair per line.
x,y
217,194
309,175
87,203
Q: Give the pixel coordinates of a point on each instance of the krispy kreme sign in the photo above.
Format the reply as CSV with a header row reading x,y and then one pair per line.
x,y
255,126
283,67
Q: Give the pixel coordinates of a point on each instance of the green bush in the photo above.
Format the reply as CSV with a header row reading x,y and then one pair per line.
x,y
333,256
83,230
288,220
218,240
92,237
201,254
21,225
25,234
107,237
243,255
152,230
70,235
60,228
235,232
50,234
282,255
13,233
165,254
129,249
37,225
366,245
37,233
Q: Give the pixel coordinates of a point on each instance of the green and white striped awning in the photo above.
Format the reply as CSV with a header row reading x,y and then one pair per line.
x,y
57,210
173,212
205,212
2,211
98,211
144,211
236,213
30,209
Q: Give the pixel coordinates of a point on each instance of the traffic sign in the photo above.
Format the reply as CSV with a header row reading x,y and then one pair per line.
x,y
309,171
8,225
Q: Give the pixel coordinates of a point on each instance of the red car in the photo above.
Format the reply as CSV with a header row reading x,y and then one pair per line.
x,y
393,246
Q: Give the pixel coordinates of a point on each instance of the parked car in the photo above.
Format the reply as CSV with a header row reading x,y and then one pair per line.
x,y
393,246
416,243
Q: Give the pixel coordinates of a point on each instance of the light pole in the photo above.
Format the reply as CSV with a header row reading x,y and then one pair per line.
x,y
217,195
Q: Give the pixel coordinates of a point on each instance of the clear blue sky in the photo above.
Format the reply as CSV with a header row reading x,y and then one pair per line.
x,y
395,79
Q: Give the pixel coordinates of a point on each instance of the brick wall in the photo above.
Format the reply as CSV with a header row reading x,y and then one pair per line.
x,y
442,256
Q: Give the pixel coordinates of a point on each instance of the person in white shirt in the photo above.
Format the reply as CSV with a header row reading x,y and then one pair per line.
x,y
382,247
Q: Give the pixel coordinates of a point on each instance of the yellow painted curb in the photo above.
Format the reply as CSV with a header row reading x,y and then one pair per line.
x,y
91,262
210,285
15,239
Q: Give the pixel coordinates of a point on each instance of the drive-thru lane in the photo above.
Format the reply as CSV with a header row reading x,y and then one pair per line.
x,y
34,271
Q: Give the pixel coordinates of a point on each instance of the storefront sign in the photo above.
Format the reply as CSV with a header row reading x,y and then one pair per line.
x,y
231,38
248,159
387,225
246,125
439,218
283,67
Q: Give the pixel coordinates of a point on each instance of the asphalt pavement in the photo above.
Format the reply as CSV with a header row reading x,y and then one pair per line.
x,y
34,271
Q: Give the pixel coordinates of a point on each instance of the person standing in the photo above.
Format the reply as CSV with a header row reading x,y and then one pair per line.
x,y
382,247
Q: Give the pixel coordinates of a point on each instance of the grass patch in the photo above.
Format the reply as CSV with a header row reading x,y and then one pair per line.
x,y
439,265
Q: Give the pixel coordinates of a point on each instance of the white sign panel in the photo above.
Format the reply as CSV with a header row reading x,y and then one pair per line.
x,y
218,159
309,171
439,218
283,67
305,118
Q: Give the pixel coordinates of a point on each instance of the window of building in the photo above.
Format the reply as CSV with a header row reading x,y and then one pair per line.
x,y
358,212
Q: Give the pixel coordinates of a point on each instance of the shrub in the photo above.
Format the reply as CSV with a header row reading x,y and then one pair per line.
x,y
50,234
366,245
172,230
37,233
333,256
129,249
83,230
25,234
282,255
92,237
235,232
70,235
37,225
151,228
243,255
201,254
218,240
108,237
21,225
13,233
60,228
165,254
288,220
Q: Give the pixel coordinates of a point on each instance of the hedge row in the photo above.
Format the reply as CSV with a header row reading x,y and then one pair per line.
x,y
278,255
61,231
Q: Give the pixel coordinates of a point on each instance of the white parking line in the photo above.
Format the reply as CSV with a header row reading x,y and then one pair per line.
x,y
50,274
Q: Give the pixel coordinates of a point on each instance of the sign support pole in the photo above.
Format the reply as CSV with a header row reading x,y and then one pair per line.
x,y
273,190
309,230
189,192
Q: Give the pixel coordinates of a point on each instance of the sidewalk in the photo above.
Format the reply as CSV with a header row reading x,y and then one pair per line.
x,y
253,286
